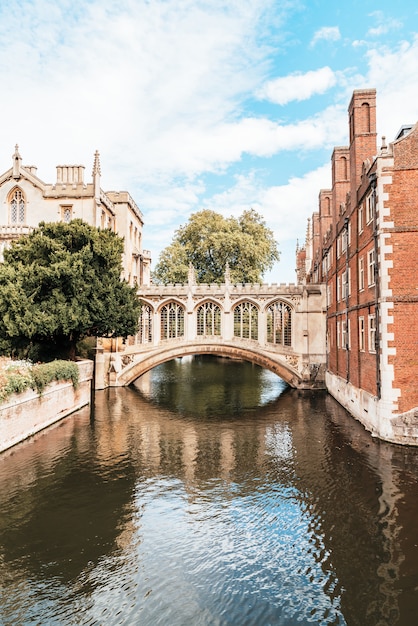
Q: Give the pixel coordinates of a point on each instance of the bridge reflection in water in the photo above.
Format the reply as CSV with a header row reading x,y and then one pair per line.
x,y
167,508
279,327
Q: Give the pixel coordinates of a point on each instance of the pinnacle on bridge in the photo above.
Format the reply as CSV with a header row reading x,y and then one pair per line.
x,y
227,274
191,276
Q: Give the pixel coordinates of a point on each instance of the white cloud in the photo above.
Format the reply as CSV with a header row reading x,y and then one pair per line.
x,y
298,86
326,33
382,24
392,72
105,75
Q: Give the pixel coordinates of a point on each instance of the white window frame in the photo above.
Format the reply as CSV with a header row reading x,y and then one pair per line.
x,y
370,208
361,335
361,274
360,218
372,333
371,262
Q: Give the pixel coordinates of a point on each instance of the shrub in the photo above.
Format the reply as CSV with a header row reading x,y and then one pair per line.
x,y
17,376
45,373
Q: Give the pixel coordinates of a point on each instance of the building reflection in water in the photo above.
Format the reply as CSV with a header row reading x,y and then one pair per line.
x,y
92,486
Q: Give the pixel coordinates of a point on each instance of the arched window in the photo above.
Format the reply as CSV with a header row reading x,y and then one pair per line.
x,y
209,319
344,168
246,321
17,207
172,321
279,323
145,324
366,112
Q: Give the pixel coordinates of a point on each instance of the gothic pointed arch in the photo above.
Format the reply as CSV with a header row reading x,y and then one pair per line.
x,y
172,320
246,320
209,319
17,206
279,323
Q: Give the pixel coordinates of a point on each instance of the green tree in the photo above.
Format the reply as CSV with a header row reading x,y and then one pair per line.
x,y
210,241
61,284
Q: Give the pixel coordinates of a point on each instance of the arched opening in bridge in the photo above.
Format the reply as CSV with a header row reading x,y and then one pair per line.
x,y
205,386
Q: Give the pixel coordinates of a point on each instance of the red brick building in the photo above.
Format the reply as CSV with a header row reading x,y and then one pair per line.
x,y
363,243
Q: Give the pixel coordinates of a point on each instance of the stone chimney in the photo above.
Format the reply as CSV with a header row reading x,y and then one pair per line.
x,y
70,175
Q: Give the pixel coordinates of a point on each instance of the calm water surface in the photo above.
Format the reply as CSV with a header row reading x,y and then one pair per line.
x,y
209,494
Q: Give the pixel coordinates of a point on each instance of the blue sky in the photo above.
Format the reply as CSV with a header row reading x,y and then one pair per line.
x,y
192,104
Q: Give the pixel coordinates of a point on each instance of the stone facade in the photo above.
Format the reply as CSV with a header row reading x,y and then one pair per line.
x,y
25,201
362,244
279,327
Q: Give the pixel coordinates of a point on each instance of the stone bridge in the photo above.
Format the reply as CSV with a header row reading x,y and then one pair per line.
x,y
279,327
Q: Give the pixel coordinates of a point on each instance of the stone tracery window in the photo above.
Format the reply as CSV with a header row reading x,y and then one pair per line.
x,y
279,323
172,321
17,207
246,321
209,319
145,324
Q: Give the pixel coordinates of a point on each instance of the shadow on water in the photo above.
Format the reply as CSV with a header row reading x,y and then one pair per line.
x,y
209,494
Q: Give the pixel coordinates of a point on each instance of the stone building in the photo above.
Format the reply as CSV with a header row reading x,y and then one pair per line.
x,y
362,244
25,200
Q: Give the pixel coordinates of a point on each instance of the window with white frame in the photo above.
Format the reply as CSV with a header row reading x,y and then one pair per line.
x,y
343,335
329,295
372,333
361,273
360,219
338,335
370,206
371,263
345,278
344,241
338,288
361,345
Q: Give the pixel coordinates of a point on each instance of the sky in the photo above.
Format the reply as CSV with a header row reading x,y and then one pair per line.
x,y
219,104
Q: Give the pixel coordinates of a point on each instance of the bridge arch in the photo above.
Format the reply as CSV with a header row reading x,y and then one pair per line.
x,y
135,369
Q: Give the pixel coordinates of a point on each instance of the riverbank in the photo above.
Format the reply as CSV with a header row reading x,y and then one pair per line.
x,y
24,414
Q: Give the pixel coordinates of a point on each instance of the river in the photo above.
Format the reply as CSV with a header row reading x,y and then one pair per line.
x,y
208,494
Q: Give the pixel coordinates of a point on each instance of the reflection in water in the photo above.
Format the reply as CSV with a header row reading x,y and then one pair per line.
x,y
209,494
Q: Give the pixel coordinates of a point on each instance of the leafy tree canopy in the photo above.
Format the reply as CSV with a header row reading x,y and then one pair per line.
x,y
210,241
60,284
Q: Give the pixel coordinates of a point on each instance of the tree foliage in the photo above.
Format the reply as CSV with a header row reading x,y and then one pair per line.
x,y
60,284
210,241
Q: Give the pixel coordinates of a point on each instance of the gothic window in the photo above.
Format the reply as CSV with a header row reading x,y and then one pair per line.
x,y
209,319
17,207
246,321
279,323
66,213
145,324
172,321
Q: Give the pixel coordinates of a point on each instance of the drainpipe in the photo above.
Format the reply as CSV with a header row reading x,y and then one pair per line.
x,y
373,182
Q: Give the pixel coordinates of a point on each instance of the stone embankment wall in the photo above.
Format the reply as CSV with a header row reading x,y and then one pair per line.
x,y
25,414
